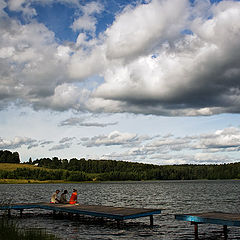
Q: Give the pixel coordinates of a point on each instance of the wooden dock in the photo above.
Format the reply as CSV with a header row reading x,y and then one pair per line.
x,y
116,213
219,218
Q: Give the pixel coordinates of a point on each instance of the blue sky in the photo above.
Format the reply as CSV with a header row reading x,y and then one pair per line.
x,y
144,81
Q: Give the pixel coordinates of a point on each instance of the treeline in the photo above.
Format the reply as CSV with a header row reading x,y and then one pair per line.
x,y
111,170
92,166
119,170
9,157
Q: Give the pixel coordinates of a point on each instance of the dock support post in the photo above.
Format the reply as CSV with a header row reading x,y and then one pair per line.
x,y
151,220
196,231
225,232
9,213
54,213
21,211
119,221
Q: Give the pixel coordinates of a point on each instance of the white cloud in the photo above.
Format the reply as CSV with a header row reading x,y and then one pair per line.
x,y
22,6
16,142
65,96
114,138
197,149
85,64
74,121
223,140
30,67
148,25
88,21
164,79
60,146
66,139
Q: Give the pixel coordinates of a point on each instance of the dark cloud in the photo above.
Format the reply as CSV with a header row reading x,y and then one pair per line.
x,y
186,65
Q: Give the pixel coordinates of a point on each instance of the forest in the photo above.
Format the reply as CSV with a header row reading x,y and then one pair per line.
x,y
112,170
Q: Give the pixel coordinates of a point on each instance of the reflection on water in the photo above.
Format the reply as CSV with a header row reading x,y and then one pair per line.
x,y
173,197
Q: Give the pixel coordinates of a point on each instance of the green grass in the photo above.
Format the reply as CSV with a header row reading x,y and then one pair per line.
x,y
10,231
14,166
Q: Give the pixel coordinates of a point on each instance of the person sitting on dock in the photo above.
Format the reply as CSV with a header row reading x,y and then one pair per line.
x,y
54,198
73,199
63,198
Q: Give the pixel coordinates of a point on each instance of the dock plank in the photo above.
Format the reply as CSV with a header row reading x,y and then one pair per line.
x,y
220,218
118,213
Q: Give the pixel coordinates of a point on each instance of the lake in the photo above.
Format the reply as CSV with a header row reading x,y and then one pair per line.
x,y
172,197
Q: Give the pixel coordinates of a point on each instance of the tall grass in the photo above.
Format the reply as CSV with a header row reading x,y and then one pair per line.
x,y
10,231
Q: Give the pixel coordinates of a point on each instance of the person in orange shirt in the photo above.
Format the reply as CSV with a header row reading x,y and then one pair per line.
x,y
73,198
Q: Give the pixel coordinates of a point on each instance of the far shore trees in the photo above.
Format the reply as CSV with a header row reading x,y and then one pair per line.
x,y
9,157
111,170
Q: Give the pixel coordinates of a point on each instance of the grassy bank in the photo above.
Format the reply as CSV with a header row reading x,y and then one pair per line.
x,y
25,181
14,166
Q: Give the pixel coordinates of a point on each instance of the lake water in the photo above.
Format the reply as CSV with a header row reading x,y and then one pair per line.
x,y
172,197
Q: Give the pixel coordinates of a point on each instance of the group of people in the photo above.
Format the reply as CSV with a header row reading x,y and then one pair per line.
x,y
63,197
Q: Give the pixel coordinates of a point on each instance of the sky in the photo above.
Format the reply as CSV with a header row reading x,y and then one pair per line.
x,y
149,81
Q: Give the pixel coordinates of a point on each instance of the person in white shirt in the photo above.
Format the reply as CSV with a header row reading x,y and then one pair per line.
x,y
54,198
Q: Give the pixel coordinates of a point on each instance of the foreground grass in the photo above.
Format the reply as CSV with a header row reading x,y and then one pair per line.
x,y
10,231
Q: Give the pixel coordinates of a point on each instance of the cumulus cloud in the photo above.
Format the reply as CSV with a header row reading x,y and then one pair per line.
x,y
187,74
30,67
66,96
222,140
88,21
22,6
148,25
164,57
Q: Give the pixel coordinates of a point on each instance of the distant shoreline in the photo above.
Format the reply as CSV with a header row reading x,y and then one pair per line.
x,y
32,181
